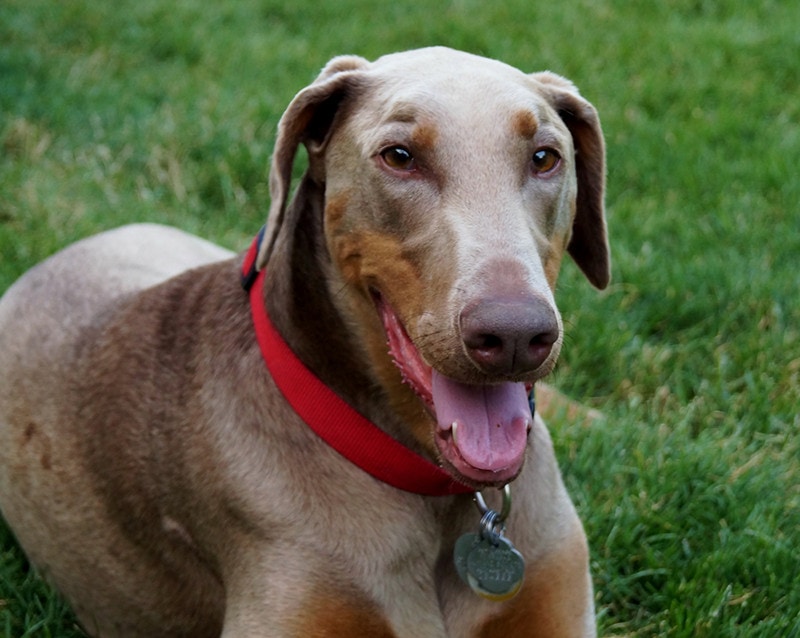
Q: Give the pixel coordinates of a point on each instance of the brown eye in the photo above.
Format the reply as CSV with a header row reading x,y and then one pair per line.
x,y
398,158
544,160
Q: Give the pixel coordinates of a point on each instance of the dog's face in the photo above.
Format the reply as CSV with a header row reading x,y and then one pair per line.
x,y
453,186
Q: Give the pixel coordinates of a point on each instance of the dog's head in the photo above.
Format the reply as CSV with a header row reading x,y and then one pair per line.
x,y
453,185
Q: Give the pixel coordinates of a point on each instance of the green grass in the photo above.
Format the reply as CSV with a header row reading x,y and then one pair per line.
x,y
690,489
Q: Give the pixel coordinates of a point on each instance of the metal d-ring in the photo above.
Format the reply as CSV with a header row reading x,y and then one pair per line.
x,y
506,509
491,527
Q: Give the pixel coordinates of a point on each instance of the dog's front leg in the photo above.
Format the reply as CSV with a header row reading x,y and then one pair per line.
x,y
556,599
291,596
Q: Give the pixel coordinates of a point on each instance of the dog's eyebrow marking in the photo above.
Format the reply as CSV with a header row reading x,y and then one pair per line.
x,y
424,136
525,124
423,131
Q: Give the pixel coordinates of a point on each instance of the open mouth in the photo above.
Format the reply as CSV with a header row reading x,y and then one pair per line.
x,y
481,430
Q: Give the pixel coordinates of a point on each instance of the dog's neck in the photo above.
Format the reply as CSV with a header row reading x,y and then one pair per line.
x,y
298,299
296,295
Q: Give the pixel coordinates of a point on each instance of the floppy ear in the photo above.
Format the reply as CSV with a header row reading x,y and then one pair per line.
x,y
308,120
589,242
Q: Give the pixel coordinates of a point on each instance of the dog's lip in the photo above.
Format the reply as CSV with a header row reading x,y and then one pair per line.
x,y
414,371
491,454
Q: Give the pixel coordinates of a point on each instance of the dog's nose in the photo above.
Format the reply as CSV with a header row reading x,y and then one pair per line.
x,y
509,337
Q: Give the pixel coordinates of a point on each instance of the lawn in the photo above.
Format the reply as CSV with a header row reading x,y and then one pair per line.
x,y
112,112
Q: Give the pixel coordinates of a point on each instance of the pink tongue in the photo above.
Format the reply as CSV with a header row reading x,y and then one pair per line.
x,y
492,420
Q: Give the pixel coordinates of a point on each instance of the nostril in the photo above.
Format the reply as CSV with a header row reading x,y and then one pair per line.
x,y
489,342
544,339
509,337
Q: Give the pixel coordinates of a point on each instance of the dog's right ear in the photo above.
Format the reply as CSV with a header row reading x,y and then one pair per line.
x,y
307,120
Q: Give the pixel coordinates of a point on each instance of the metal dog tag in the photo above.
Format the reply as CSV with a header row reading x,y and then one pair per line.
x,y
495,571
487,561
464,546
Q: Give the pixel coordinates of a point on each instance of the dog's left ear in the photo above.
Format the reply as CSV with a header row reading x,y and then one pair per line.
x,y
589,242
307,120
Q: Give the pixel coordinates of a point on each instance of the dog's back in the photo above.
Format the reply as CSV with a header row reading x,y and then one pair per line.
x,y
47,318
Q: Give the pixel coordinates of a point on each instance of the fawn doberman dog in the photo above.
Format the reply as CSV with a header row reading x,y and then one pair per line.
x,y
180,456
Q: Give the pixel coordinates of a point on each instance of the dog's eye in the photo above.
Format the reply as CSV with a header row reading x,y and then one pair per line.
x,y
398,158
544,160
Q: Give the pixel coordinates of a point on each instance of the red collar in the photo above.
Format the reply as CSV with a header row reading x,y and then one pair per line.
x,y
335,422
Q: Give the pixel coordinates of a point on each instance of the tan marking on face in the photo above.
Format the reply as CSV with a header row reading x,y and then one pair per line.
x,y
345,246
336,207
554,599
402,399
424,136
524,124
367,260
373,259
332,614
552,266
555,253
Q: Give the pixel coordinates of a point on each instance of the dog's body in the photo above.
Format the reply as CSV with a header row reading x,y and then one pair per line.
x,y
152,470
